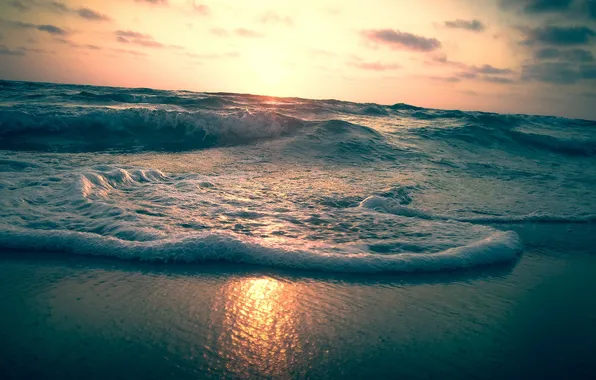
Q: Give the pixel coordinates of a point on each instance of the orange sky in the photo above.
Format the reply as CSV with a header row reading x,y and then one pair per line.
x,y
526,56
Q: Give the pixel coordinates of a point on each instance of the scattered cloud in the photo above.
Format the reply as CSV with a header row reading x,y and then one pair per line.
x,y
18,5
51,29
273,18
21,50
402,40
558,72
545,6
489,69
571,55
374,66
243,32
201,9
4,50
565,9
76,45
130,37
471,25
559,35
58,7
90,14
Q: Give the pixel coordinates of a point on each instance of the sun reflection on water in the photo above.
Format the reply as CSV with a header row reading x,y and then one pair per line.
x,y
258,336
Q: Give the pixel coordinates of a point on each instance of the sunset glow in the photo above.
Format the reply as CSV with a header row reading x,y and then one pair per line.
x,y
493,55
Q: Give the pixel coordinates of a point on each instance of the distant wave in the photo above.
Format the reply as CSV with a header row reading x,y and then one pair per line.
x,y
90,129
497,248
498,130
392,206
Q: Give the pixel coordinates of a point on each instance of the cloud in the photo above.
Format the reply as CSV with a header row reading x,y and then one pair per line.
x,y
452,79
273,18
78,46
495,79
18,5
201,9
4,50
560,36
401,40
89,14
571,55
51,29
471,25
130,37
242,32
58,7
374,66
154,2
489,69
558,72
544,6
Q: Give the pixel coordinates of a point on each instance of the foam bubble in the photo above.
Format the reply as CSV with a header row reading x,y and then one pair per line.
x,y
197,248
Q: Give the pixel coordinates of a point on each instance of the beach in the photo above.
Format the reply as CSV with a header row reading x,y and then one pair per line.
x,y
78,317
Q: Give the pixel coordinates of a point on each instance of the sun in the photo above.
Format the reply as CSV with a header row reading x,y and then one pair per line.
x,y
270,72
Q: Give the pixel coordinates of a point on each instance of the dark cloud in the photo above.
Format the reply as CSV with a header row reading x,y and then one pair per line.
x,y
558,72
495,79
544,6
273,18
374,66
51,29
591,8
131,34
142,39
4,50
58,7
242,32
472,25
76,45
90,14
18,5
452,79
402,40
489,69
571,55
560,36
486,72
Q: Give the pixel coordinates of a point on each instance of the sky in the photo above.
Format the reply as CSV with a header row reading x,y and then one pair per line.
x,y
508,56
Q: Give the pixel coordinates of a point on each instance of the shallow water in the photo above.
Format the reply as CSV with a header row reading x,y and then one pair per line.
x,y
73,317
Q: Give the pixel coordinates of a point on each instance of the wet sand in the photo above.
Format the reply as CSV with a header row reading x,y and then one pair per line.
x,y
89,318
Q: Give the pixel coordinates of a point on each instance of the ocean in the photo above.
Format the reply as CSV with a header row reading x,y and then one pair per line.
x,y
248,236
